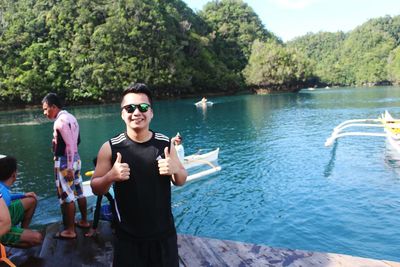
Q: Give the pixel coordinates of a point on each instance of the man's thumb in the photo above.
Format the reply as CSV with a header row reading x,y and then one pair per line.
x,y
166,152
119,158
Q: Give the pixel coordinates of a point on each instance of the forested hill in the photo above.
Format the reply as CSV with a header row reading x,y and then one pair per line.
x,y
89,50
367,55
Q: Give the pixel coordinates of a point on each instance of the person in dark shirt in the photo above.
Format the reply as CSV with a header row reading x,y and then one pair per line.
x,y
140,164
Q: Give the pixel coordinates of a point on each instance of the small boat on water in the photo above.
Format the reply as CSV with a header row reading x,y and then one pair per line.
x,y
197,160
190,162
391,129
203,103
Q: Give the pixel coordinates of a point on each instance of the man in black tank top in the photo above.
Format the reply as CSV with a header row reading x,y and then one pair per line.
x,y
140,164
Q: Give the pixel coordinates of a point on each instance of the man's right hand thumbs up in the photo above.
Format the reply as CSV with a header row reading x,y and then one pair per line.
x,y
121,170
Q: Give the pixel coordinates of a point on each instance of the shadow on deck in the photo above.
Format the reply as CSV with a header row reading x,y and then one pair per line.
x,y
82,251
193,251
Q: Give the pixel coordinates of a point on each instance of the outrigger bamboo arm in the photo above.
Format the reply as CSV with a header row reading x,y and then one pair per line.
x,y
337,131
334,136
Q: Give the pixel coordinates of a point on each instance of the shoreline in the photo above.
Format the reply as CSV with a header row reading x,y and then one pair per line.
x,y
15,107
258,91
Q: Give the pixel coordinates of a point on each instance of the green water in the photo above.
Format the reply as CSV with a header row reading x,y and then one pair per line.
x,y
278,186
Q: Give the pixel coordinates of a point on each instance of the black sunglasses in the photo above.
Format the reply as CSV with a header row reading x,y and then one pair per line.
x,y
143,107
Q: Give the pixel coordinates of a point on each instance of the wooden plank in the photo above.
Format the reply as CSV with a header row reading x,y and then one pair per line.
x,y
196,251
82,251
95,251
193,251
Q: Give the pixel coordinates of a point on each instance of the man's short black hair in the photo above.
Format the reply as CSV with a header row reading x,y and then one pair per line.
x,y
8,165
52,99
138,88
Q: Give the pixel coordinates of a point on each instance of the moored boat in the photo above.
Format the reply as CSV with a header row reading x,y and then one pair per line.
x,y
200,159
204,103
196,160
390,125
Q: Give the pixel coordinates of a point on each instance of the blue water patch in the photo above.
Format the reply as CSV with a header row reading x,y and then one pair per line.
x,y
279,185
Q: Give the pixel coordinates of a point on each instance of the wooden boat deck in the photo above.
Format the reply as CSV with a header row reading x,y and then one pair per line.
x,y
193,251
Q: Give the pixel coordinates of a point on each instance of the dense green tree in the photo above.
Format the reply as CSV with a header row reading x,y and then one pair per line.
x,y
273,66
233,27
89,50
365,52
394,66
89,15
323,50
359,57
21,26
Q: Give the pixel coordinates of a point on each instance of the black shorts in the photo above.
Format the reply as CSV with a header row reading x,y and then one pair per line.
x,y
157,253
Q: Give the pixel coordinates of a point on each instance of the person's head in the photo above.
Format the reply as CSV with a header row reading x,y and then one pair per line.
x,y
8,167
138,88
136,105
51,105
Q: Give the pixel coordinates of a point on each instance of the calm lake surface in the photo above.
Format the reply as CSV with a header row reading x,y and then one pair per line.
x,y
278,186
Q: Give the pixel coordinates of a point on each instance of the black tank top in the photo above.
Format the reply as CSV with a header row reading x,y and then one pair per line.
x,y
143,203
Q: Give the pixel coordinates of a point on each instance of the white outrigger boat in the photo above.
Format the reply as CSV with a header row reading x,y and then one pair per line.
x,y
200,159
189,162
197,160
390,126
203,104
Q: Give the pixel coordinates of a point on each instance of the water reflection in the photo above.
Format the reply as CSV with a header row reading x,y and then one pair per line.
x,y
203,110
331,164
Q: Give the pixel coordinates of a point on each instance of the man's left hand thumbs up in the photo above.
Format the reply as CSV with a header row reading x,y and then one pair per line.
x,y
166,166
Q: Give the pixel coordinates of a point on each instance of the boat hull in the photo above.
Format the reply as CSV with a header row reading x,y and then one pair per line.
x,y
195,160
203,104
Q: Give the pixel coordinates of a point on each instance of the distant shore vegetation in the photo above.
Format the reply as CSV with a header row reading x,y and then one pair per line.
x,y
87,51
